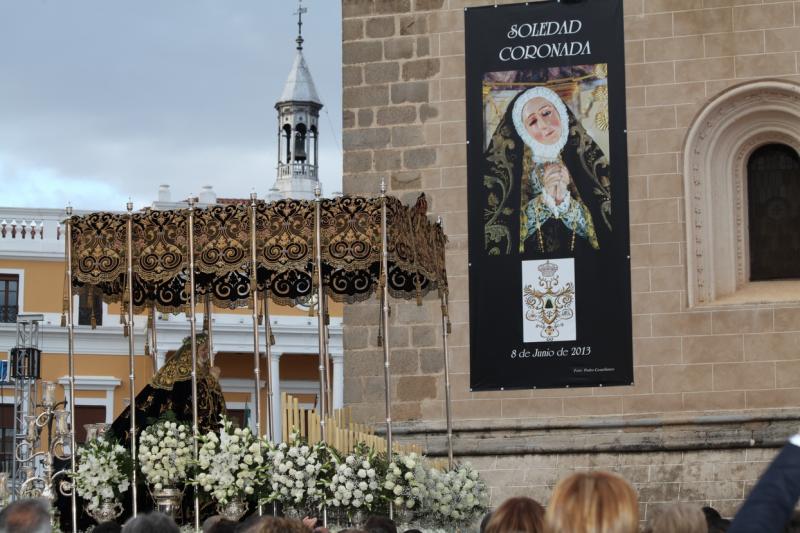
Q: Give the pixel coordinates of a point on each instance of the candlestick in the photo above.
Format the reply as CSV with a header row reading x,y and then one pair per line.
x,y
48,393
33,430
62,422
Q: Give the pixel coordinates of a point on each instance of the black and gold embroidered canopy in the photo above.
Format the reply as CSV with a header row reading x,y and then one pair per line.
x,y
285,232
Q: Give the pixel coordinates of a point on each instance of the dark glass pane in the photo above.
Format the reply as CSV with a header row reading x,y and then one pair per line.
x,y
9,284
6,436
85,308
87,414
773,189
237,416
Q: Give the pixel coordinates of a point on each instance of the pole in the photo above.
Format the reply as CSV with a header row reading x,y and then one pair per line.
x,y
131,353
193,326
254,293
384,285
154,344
269,340
446,353
71,363
208,319
323,380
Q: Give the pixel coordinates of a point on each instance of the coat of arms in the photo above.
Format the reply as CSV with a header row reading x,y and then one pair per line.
x,y
549,304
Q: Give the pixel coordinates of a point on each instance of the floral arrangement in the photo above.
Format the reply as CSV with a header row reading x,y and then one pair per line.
x,y
355,483
456,497
165,454
405,482
300,473
229,462
103,471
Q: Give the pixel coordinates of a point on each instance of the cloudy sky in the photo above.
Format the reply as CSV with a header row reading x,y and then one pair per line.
x,y
103,100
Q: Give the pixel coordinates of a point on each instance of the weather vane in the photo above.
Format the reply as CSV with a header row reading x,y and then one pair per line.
x,y
300,11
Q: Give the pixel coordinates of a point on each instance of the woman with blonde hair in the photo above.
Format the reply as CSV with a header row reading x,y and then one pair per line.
x,y
683,517
517,515
592,502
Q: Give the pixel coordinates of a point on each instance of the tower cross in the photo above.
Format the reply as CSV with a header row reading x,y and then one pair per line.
x,y
300,11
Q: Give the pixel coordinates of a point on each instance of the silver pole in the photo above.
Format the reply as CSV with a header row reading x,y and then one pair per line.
x,y
254,292
384,285
154,344
71,357
268,341
207,318
445,348
323,379
328,373
193,327
131,354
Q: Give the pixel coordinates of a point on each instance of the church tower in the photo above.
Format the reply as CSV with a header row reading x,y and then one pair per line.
x,y
298,129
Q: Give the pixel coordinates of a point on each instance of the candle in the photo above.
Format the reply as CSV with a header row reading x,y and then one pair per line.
x,y
3,488
62,422
102,428
48,393
33,432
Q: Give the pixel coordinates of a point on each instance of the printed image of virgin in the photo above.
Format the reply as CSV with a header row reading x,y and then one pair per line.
x,y
547,182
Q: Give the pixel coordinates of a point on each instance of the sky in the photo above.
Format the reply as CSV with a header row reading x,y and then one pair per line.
x,y
101,101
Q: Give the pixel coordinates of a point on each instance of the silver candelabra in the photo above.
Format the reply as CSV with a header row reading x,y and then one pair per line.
x,y
55,416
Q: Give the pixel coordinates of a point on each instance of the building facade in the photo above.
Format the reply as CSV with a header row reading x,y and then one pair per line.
x,y
713,103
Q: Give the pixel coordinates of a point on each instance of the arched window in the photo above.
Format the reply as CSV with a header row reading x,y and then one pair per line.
x,y
287,137
300,152
773,202
740,219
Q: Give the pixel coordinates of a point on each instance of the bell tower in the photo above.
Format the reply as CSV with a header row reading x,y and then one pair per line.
x,y
298,129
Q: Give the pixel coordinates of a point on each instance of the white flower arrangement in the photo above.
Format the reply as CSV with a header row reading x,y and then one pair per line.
x,y
356,484
165,454
103,471
229,463
456,497
300,473
405,482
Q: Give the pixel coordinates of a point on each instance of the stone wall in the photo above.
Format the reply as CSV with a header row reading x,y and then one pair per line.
x,y
403,74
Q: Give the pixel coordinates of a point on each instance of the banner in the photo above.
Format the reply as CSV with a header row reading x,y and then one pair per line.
x,y
549,263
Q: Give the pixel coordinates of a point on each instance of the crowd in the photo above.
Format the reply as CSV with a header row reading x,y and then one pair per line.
x,y
584,502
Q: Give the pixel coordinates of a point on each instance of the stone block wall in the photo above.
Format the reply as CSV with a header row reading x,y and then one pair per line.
x,y
404,120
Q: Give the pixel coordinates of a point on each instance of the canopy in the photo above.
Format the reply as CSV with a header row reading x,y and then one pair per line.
x,y
285,232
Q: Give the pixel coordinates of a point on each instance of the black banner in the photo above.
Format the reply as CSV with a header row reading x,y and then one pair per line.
x,y
550,302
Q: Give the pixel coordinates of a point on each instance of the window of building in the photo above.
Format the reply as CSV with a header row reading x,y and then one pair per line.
x,y
742,196
90,303
6,436
9,297
773,202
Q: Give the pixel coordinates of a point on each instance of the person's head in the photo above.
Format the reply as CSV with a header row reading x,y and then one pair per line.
x,y
273,524
521,515
210,522
151,523
485,521
601,502
379,524
542,122
223,526
683,517
793,525
714,521
107,527
26,516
